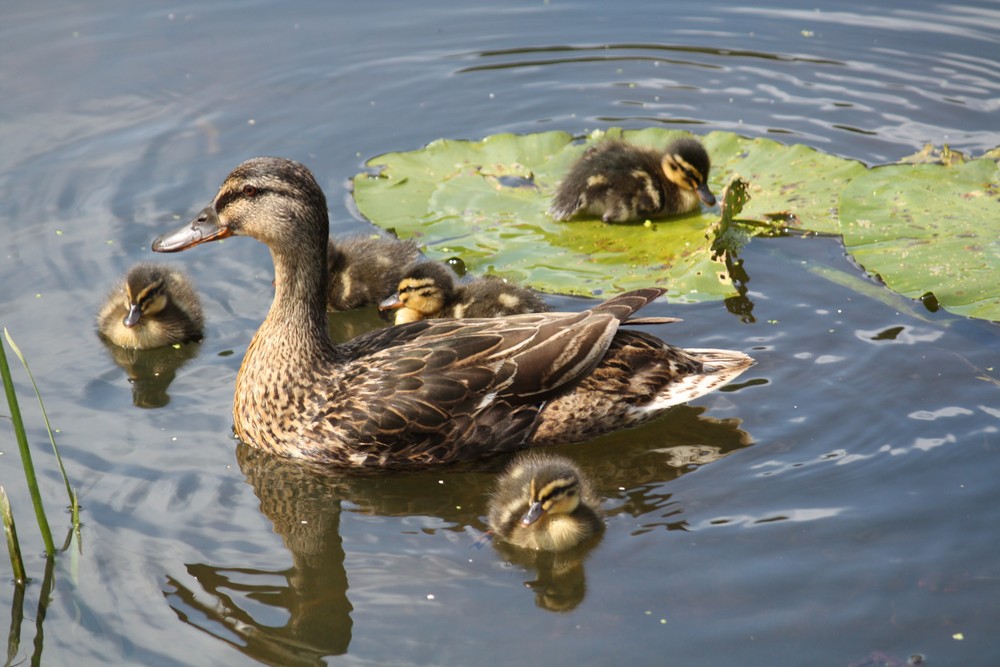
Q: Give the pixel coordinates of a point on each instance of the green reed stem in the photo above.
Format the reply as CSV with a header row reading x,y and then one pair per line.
x,y
13,546
22,444
73,502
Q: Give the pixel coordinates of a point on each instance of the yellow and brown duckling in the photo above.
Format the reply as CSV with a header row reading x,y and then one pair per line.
x,y
545,503
428,290
433,391
365,269
623,182
153,306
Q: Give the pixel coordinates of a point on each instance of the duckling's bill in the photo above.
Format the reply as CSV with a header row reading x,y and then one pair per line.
x,y
534,513
204,228
705,195
391,303
133,315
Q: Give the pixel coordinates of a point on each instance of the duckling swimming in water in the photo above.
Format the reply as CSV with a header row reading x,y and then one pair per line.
x,y
365,269
153,306
544,502
428,290
623,182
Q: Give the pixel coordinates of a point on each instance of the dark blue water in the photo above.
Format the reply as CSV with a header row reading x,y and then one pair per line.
x,y
838,506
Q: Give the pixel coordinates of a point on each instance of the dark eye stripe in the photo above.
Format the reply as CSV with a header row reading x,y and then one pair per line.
x,y
150,292
556,489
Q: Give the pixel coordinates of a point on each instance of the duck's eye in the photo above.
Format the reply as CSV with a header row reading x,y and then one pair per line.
x,y
250,190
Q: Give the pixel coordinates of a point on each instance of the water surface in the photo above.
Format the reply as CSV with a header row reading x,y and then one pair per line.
x,y
837,506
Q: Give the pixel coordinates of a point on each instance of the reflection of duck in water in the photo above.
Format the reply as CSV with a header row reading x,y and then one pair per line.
x,y
153,306
434,391
428,290
623,182
545,503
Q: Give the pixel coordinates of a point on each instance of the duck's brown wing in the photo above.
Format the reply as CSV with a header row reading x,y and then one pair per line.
x,y
457,389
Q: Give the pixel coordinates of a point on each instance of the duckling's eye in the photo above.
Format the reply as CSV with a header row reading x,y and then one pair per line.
x,y
250,190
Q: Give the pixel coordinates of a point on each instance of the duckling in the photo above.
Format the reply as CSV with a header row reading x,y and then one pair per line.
x,y
428,290
623,182
365,269
434,391
545,503
154,305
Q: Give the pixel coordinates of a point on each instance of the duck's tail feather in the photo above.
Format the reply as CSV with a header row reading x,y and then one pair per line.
x,y
719,368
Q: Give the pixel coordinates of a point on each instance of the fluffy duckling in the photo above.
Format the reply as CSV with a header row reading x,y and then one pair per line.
x,y
365,269
545,503
428,290
623,182
153,306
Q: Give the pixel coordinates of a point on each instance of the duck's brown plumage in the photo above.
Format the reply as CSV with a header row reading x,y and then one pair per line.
x,y
428,290
430,391
624,182
152,306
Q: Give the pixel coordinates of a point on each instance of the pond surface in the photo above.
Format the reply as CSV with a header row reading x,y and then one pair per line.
x,y
838,506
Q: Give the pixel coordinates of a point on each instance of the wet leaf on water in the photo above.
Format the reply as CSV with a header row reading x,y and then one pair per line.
x,y
930,229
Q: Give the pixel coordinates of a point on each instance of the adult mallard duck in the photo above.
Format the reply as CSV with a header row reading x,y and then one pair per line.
x,y
428,290
365,269
545,503
152,306
622,182
431,391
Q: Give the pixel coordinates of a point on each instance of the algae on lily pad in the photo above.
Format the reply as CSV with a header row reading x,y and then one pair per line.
x,y
930,228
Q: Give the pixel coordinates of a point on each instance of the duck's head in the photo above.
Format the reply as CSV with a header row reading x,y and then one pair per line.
x,y
273,200
554,489
146,293
424,291
686,164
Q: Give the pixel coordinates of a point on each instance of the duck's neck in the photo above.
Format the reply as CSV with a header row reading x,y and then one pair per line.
x,y
297,318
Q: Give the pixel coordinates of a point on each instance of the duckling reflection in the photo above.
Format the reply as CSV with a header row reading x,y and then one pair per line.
x,y
150,372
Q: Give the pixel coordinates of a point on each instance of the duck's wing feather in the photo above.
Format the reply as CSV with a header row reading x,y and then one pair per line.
x,y
451,384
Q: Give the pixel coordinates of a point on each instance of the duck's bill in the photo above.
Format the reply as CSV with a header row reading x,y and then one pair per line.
x,y
391,303
706,195
533,514
204,228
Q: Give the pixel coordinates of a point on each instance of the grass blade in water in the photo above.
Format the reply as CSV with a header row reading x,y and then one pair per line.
x,y
22,445
73,503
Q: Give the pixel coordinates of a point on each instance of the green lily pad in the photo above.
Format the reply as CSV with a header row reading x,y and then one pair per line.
x,y
930,228
921,227
795,180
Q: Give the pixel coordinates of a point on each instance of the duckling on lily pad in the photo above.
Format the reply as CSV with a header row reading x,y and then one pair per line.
x,y
153,306
623,182
545,503
428,290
